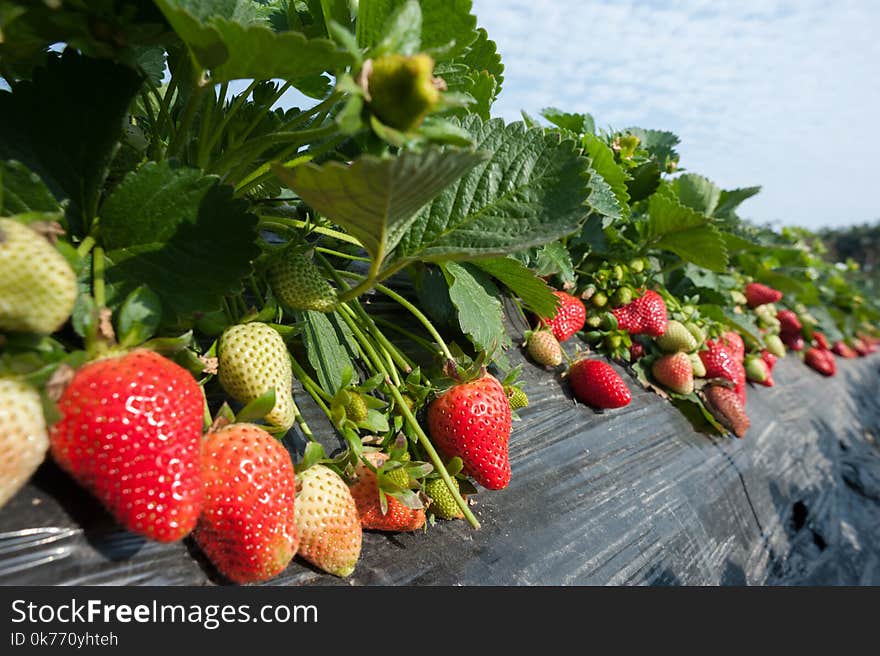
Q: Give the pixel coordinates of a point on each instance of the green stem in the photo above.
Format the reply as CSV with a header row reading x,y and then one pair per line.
x,y
345,256
209,132
404,363
305,379
424,343
296,223
229,115
98,288
365,344
422,319
178,143
378,349
432,453
247,152
86,246
304,427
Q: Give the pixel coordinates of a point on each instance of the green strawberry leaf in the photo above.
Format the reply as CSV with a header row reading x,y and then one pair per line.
x,y
644,180
577,123
448,27
139,317
55,127
480,313
729,200
376,199
697,192
23,191
530,191
375,422
477,73
687,233
180,233
327,349
659,143
258,408
602,161
312,455
232,40
536,294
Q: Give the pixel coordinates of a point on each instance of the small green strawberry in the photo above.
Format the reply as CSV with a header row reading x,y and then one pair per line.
x,y
402,89
23,436
298,284
516,396
356,409
544,349
697,364
774,345
695,330
443,504
676,338
398,476
37,285
253,359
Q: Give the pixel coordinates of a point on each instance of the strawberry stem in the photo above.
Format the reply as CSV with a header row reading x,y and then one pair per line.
x,y
98,288
432,453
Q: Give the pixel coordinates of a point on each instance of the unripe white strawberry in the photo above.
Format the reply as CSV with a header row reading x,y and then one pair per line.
x,y
37,285
544,348
253,358
327,521
23,436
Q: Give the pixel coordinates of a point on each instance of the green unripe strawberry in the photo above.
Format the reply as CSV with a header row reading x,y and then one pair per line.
x,y
298,284
613,341
398,476
695,330
599,299
756,369
617,272
442,502
594,320
516,397
37,285
697,364
637,265
356,409
402,90
253,359
621,296
774,345
676,338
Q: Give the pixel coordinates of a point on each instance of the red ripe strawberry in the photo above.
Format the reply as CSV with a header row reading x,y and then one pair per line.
x,y
861,347
794,341
758,294
735,345
721,363
645,315
569,318
821,360
636,351
129,433
789,322
597,384
472,421
728,409
820,341
365,491
248,526
769,359
843,350
675,372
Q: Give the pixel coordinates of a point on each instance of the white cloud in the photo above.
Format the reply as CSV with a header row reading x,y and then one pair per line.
x,y
783,94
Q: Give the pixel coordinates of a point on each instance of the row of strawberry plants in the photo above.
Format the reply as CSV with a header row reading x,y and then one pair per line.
x,y
175,257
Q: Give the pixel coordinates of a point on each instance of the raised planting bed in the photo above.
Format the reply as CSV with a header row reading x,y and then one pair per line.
x,y
632,496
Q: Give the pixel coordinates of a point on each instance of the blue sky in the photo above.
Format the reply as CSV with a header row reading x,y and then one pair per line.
x,y
781,94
